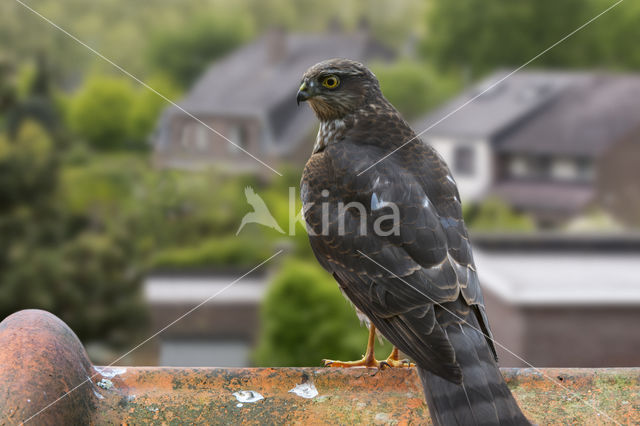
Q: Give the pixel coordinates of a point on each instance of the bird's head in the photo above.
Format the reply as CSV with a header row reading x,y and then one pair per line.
x,y
337,87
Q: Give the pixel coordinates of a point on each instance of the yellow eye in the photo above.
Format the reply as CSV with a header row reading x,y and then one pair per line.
x,y
331,82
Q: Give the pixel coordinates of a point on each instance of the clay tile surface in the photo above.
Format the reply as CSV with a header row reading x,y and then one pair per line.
x,y
41,359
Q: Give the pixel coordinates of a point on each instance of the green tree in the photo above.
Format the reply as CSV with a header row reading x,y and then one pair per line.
x,y
7,85
86,271
101,110
184,53
30,97
304,319
413,87
481,35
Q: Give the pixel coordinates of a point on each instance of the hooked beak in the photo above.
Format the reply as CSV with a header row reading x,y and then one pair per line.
x,y
303,93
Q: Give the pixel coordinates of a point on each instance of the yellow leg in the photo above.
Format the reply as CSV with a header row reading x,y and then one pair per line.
x,y
369,359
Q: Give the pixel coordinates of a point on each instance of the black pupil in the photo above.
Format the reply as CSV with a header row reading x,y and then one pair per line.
x,y
331,82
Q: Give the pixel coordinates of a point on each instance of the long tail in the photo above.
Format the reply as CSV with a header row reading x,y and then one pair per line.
x,y
482,398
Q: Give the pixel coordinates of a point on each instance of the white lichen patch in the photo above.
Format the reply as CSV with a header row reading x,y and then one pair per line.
x,y
306,390
98,394
110,372
105,384
248,396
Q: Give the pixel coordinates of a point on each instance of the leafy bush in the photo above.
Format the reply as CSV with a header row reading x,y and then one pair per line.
x,y
493,214
413,87
27,167
223,251
187,220
100,112
75,265
305,318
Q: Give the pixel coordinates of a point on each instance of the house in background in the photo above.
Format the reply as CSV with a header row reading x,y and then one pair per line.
x,y
249,97
218,324
553,300
557,300
548,143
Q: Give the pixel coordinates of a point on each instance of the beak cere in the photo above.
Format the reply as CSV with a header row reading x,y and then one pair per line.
x,y
303,93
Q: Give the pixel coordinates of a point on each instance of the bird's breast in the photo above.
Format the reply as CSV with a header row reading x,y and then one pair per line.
x,y
328,133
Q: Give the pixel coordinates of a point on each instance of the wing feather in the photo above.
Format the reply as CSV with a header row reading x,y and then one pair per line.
x,y
401,280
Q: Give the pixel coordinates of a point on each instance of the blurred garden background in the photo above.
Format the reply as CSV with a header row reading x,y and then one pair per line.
x,y
110,218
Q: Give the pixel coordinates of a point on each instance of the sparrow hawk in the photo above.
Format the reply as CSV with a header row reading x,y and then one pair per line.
x,y
391,233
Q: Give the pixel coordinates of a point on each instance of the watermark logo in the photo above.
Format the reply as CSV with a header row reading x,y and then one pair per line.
x,y
334,215
260,214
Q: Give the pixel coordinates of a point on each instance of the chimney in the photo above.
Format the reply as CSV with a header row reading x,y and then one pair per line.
x,y
276,45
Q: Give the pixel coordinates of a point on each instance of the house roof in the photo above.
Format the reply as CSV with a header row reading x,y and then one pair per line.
x,y
543,112
548,278
504,103
162,290
261,79
591,114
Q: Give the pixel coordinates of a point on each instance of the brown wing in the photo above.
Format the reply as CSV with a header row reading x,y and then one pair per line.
x,y
425,266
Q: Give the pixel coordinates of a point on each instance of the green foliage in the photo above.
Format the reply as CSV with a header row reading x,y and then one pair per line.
x,y
185,219
27,167
104,298
100,112
221,252
305,318
122,30
481,35
413,87
29,97
594,219
147,107
493,214
110,114
81,268
8,84
184,53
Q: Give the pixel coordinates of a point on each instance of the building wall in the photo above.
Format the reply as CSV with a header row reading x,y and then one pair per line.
x,y
194,145
508,328
215,330
475,185
618,181
582,336
564,336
